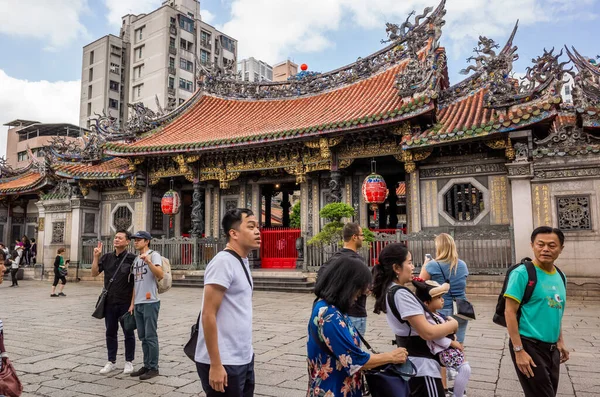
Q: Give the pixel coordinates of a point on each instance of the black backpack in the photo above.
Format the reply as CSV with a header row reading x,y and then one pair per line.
x,y
532,282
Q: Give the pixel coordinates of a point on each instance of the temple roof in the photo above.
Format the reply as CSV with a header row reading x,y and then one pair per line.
x,y
26,183
113,168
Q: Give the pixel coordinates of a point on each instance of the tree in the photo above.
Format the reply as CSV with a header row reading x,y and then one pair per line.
x,y
332,231
295,216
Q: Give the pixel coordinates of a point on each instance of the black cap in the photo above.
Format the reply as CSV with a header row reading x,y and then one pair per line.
x,y
142,234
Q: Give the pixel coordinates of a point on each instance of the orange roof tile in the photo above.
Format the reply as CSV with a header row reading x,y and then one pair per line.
x,y
115,168
25,183
214,121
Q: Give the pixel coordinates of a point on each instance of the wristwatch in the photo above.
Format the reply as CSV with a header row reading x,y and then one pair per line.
x,y
517,349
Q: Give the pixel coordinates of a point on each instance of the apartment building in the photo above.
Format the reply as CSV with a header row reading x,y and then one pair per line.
x,y
253,70
35,135
284,70
159,54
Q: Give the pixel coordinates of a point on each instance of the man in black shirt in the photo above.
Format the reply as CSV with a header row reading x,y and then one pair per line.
x,y
353,241
119,298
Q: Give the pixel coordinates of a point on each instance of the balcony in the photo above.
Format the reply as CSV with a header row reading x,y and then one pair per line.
x,y
172,70
173,30
205,44
171,91
172,50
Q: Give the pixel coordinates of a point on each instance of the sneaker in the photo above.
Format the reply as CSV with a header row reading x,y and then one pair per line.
x,y
53,296
109,367
61,294
128,367
151,373
139,372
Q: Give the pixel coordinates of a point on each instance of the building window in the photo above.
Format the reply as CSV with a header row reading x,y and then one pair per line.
x,y
22,156
89,223
157,216
186,65
247,76
181,100
139,34
58,232
172,20
90,91
139,52
171,82
114,68
138,91
574,213
113,103
205,38
463,202
256,78
114,86
89,109
204,57
186,24
227,44
122,218
185,84
186,45
171,62
567,89
91,74
269,74
91,57
137,71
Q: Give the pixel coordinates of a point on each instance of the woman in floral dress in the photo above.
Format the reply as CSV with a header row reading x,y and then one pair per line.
x,y
335,359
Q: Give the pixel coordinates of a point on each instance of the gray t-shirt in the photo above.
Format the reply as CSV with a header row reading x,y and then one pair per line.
x,y
146,290
234,318
408,305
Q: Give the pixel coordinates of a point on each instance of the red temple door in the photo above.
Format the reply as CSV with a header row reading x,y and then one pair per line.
x,y
278,248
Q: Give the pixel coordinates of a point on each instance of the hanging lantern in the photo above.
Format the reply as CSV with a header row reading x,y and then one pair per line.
x,y
170,204
304,67
374,190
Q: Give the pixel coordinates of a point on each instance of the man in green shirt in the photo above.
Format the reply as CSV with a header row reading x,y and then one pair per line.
x,y
536,342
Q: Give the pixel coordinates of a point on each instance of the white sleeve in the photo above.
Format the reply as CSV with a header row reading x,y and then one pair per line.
x,y
408,304
219,272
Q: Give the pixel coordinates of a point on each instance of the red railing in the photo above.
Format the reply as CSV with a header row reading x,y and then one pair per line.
x,y
377,246
278,248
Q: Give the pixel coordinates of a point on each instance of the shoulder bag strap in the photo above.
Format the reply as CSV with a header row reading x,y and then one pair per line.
x,y
116,271
232,252
446,278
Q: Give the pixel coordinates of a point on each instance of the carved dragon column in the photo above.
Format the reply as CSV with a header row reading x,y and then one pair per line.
x,y
335,186
197,210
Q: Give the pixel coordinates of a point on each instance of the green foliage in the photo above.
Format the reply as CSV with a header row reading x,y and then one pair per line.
x,y
329,234
332,232
334,212
369,235
295,216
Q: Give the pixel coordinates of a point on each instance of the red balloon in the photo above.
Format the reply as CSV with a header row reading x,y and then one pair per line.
x,y
304,67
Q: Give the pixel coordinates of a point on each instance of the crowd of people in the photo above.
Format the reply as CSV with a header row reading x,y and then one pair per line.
x,y
419,311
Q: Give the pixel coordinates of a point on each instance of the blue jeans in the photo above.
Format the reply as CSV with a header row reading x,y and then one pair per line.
x,y
146,320
360,323
462,325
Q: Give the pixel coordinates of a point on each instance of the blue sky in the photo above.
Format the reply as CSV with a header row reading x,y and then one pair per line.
x,y
41,40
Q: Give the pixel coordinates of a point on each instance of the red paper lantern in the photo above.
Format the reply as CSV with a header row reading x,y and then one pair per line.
x,y
374,191
304,67
170,204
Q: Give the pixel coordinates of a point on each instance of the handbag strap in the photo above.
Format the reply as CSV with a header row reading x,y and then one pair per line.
x,y
116,271
447,279
239,258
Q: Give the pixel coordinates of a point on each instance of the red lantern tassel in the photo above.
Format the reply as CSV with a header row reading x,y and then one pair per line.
x,y
170,222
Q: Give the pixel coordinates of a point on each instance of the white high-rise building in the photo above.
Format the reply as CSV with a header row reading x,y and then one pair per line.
x,y
251,69
566,91
155,56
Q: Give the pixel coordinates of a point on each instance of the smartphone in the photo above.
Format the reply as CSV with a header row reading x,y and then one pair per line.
x,y
428,256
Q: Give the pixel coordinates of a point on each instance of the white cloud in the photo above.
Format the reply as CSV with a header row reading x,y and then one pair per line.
x,y
57,21
207,16
119,8
271,30
37,100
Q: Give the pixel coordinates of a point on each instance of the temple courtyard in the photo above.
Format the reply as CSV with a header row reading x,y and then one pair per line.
x,y
58,348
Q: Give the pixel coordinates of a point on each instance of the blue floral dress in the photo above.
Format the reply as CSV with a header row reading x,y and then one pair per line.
x,y
338,374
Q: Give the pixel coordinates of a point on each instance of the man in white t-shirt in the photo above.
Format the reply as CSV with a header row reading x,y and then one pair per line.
x,y
224,353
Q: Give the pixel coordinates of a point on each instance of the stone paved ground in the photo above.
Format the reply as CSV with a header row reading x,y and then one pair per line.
x,y
58,348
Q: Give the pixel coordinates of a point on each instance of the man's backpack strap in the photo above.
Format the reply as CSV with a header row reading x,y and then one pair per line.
x,y
531,282
562,275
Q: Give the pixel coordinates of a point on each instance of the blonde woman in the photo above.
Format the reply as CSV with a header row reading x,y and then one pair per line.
x,y
446,267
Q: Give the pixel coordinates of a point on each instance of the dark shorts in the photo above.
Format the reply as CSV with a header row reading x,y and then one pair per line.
x,y
240,380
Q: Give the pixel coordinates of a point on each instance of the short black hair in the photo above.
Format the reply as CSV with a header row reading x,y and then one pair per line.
x,y
549,230
341,281
350,229
2,255
33,240
233,218
125,232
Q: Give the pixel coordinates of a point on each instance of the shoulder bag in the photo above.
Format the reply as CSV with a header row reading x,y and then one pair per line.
x,y
101,302
461,307
190,347
10,385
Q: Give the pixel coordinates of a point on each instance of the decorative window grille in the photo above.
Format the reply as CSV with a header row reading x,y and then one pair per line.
x,y
58,232
574,213
89,223
463,202
157,216
122,218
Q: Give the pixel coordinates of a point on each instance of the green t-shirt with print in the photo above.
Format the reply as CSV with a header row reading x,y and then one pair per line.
x,y
542,315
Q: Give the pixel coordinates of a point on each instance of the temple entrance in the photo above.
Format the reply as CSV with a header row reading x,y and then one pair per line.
x,y
279,228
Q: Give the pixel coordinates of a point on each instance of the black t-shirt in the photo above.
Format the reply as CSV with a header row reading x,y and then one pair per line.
x,y
359,309
122,287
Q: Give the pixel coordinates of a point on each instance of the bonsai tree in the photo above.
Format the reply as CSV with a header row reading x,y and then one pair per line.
x,y
295,216
332,231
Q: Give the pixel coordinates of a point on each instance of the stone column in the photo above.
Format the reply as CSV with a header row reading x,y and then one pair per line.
x,y
197,211
520,175
208,216
40,238
414,203
76,231
335,186
216,212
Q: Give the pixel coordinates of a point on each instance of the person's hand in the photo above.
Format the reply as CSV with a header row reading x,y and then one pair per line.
x,y
525,363
217,378
131,309
98,250
564,353
457,345
398,356
427,260
146,258
454,323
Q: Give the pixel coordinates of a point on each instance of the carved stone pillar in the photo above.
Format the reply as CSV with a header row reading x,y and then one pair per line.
x,y
520,175
335,186
197,211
